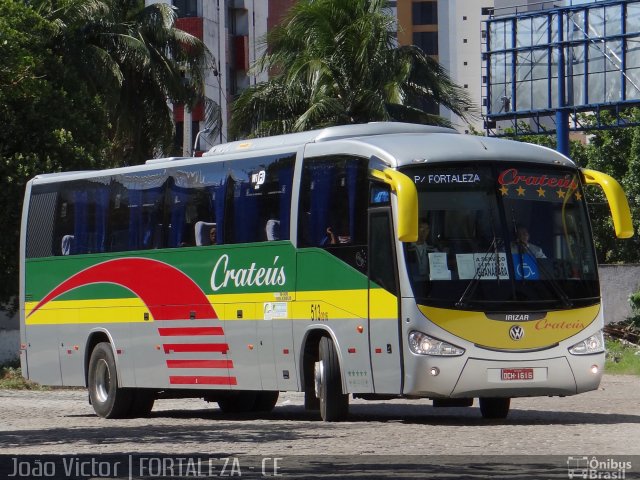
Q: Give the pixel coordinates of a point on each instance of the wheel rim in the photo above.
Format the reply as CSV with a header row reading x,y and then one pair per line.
x,y
318,376
103,381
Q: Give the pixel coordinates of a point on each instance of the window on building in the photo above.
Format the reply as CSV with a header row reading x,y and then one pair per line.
x,y
427,41
186,8
425,13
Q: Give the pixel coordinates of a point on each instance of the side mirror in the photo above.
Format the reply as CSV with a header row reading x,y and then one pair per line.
x,y
616,198
407,196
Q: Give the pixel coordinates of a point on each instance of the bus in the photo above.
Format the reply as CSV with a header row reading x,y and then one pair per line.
x,y
291,264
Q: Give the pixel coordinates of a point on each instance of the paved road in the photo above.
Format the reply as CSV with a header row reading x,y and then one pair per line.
x,y
604,423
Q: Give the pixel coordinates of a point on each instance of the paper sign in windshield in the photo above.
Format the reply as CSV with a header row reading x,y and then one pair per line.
x,y
438,269
482,266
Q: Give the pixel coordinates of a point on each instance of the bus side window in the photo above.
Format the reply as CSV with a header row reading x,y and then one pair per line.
x,y
259,199
332,213
43,234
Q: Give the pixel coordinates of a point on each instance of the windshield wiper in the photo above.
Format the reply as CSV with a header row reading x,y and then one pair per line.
x,y
473,284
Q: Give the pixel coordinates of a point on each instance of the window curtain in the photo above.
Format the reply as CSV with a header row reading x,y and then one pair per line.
x,y
246,215
135,217
352,191
220,194
101,202
81,228
322,179
178,206
285,178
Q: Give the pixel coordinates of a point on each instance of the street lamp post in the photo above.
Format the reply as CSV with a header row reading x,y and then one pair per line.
x,y
195,144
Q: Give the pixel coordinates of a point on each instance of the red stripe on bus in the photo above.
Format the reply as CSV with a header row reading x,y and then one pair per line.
x,y
187,331
195,347
199,363
167,292
201,380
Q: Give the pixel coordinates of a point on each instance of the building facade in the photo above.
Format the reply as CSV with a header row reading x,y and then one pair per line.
x,y
452,32
233,31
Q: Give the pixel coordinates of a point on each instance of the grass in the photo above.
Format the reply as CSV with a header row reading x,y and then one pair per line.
x,y
622,358
11,377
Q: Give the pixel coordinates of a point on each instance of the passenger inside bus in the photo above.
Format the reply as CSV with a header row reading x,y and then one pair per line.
x,y
206,233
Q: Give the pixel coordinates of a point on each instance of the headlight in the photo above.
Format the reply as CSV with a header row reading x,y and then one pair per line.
x,y
593,344
423,344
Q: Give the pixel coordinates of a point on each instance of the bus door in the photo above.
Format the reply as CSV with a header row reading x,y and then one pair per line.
x,y
384,326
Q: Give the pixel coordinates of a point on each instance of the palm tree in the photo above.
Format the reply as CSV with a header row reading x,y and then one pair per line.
x,y
138,61
336,62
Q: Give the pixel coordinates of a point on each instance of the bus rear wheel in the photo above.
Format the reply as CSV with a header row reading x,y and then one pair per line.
x,y
334,405
142,402
107,399
265,401
494,407
237,402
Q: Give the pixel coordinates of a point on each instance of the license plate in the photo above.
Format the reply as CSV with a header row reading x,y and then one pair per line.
x,y
508,374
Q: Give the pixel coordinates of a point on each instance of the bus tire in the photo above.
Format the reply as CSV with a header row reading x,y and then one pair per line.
x,y
238,402
142,402
494,407
334,405
108,400
265,401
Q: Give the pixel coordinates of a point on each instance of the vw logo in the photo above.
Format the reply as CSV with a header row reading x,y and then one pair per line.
x,y
516,332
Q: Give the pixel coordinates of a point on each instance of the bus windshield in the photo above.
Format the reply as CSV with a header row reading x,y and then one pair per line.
x,y
493,236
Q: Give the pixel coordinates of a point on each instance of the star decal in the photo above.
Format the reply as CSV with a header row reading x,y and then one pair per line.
x,y
561,193
505,190
578,196
541,192
520,191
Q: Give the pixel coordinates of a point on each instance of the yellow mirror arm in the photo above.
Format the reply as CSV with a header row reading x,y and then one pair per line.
x,y
616,198
407,202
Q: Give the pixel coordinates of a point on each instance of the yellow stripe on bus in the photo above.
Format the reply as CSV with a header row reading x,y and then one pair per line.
x,y
326,305
59,312
476,327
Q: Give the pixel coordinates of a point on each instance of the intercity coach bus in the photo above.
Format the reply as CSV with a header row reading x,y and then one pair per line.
x,y
293,263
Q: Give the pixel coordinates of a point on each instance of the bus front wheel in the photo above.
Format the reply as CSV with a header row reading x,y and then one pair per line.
x,y
494,407
334,405
107,399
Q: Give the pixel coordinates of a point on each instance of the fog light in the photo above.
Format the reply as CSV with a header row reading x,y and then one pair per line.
x,y
435,371
594,369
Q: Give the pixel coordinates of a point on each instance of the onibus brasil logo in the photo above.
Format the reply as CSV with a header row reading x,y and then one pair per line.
x,y
597,468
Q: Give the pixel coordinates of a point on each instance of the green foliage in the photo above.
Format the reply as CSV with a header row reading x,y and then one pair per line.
x,y
634,301
11,378
333,62
622,358
49,121
84,84
136,59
